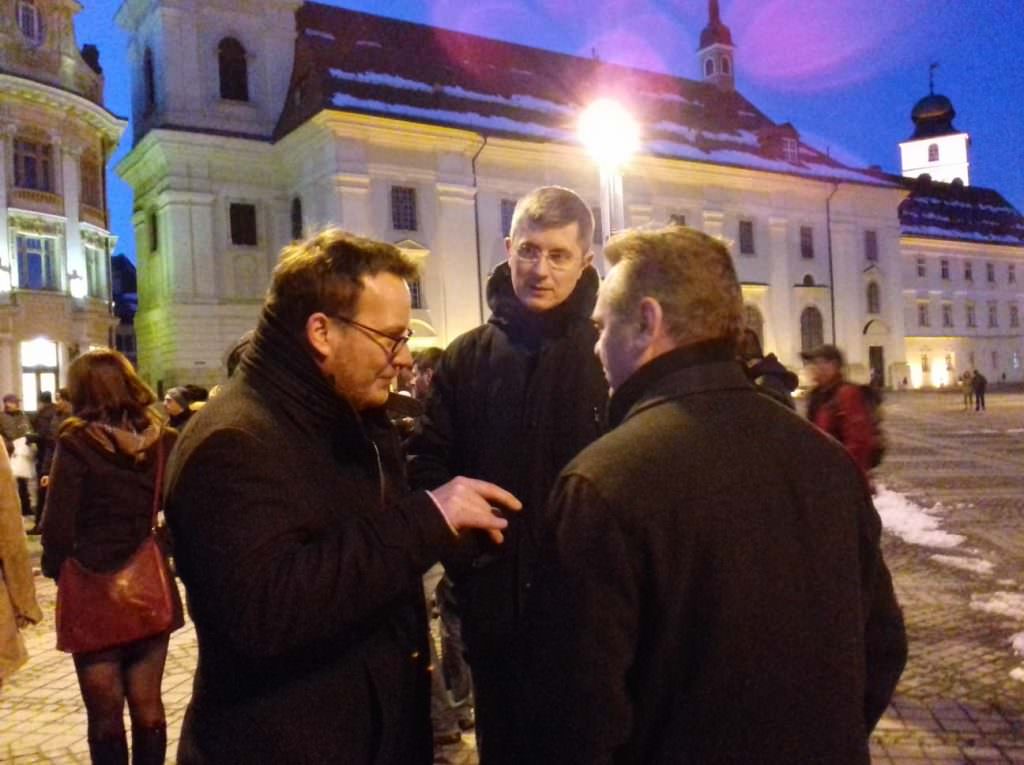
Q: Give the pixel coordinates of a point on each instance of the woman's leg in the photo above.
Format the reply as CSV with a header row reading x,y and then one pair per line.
x,y
143,673
99,678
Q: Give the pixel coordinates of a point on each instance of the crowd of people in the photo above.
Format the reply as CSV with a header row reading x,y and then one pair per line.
x,y
638,551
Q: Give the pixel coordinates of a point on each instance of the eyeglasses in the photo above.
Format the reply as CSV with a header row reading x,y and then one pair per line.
x,y
559,260
397,343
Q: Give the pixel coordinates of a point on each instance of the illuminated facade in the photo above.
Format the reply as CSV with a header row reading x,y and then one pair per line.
x,y
55,138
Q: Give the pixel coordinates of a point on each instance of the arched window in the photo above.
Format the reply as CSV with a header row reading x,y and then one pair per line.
x,y
725,65
709,67
149,80
297,218
234,73
808,280
933,152
754,321
874,298
29,22
812,332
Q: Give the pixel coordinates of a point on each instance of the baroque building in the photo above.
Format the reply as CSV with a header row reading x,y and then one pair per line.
x,y
55,140
256,124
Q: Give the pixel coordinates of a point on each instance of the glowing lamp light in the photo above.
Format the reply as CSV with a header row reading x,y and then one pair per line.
x,y
609,133
76,285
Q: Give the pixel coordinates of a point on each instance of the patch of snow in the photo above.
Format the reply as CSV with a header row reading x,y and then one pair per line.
x,y
674,97
1009,604
375,78
1017,641
1007,583
318,33
368,44
1017,674
975,565
466,119
1015,431
945,233
911,522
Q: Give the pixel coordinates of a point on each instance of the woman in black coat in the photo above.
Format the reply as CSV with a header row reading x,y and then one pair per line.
x,y
98,511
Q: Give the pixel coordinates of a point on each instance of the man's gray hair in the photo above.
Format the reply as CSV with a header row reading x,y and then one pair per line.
x,y
554,207
691,276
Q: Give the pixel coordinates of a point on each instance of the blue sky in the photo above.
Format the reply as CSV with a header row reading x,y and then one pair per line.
x,y
846,73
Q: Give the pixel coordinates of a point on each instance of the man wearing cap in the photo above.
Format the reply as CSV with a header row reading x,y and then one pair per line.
x,y
838,407
15,424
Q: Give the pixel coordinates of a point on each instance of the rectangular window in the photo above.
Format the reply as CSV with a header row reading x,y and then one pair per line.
x,y
677,219
154,232
947,315
995,360
806,242
243,224
993,314
1011,274
922,268
598,225
37,267
922,315
416,293
403,208
508,208
972,320
97,272
968,271
990,272
746,237
92,191
871,246
790,150
944,268
1014,315
33,165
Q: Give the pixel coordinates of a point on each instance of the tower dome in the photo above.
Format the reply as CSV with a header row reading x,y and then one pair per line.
x,y
715,31
933,116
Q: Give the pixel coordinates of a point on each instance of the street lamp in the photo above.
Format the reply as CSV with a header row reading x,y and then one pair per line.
x,y
611,136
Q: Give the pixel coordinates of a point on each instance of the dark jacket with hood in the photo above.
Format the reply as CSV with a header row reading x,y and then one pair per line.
x,y
512,402
302,556
702,599
773,379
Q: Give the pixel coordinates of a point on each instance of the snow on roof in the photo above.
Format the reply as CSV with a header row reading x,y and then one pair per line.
x,y
495,87
966,213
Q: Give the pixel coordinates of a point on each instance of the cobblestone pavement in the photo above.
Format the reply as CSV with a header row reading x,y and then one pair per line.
x,y
958,701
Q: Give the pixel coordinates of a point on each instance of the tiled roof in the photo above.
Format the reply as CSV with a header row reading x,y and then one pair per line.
x,y
358,62
954,211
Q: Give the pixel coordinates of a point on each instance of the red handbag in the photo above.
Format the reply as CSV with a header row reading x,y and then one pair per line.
x,y
98,611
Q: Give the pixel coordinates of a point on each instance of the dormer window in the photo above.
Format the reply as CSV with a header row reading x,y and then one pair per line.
x,y
234,71
29,21
790,149
933,152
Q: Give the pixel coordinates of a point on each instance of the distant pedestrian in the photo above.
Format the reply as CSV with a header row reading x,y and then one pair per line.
x,y
176,404
978,384
700,595
967,386
15,424
767,373
18,606
98,515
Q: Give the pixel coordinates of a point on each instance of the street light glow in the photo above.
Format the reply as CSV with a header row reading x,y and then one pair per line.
x,y
609,133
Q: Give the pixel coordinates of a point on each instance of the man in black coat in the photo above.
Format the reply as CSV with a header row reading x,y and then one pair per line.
x,y
512,402
299,547
711,588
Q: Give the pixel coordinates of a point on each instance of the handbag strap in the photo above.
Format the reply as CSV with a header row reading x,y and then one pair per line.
x,y
158,484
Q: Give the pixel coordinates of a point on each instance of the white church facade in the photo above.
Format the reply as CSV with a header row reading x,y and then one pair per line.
x,y
254,127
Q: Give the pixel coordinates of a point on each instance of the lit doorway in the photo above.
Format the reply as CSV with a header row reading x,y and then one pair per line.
x,y
39,371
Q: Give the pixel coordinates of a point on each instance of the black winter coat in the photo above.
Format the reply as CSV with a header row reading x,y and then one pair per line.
x,y
512,402
302,561
712,590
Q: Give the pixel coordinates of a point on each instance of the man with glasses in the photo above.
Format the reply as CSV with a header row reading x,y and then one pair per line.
x,y
299,545
512,402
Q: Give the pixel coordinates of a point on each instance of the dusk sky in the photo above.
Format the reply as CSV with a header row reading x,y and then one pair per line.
x,y
846,73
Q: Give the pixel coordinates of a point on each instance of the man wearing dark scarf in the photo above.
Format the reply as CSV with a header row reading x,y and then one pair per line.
x,y
512,402
299,545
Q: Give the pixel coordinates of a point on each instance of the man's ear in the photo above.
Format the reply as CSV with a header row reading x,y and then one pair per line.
x,y
651,318
508,246
316,333
588,258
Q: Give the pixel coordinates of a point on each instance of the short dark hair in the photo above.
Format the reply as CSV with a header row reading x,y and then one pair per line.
x,y
235,353
325,273
46,397
427,358
103,387
554,207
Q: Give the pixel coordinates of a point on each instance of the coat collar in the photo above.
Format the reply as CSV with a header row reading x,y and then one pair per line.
x,y
509,313
698,368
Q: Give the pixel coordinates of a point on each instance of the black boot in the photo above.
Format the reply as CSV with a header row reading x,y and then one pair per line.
x,y
109,751
149,745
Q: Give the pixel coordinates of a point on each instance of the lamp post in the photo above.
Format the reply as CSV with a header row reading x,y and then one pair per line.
x,y
611,136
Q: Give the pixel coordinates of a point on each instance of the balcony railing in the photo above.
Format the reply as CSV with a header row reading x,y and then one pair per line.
x,y
39,201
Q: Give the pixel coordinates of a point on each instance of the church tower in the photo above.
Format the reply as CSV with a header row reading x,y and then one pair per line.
x,y
936,148
209,65
715,54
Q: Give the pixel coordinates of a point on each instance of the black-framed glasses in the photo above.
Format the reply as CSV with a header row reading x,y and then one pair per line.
x,y
530,253
397,343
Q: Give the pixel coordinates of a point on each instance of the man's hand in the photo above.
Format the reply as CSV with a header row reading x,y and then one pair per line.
x,y
468,504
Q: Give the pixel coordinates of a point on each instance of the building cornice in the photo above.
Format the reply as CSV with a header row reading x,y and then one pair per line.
x,y
94,115
957,246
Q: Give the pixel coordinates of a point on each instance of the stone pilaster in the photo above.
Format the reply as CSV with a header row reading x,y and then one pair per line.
x,y
782,330
352,203
456,250
6,166
74,255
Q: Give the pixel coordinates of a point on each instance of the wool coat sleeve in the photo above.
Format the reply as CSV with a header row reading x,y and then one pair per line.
x,y
430,449
885,637
269,584
583,624
15,566
64,495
